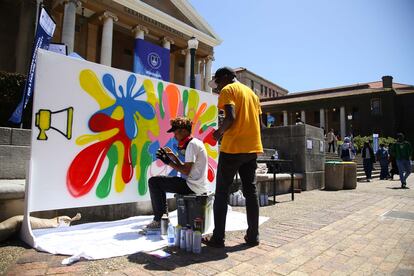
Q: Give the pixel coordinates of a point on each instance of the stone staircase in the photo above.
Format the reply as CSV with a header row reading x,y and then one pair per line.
x,y
14,158
360,168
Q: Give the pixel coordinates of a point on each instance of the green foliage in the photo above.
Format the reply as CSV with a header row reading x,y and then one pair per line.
x,y
11,88
386,141
360,140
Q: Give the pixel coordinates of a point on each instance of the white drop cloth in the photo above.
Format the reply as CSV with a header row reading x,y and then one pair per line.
x,y
102,240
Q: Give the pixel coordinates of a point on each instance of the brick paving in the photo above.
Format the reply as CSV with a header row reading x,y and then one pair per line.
x,y
320,233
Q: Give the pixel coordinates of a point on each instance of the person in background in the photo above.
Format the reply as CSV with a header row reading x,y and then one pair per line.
x,y
394,167
298,121
383,158
347,151
403,152
331,138
368,160
240,145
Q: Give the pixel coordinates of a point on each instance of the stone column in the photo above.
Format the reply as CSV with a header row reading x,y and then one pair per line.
x,y
24,37
303,116
285,118
342,121
167,42
108,19
322,118
209,63
68,26
139,31
186,52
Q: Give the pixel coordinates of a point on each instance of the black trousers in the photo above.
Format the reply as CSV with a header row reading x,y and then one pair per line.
x,y
228,165
159,186
333,146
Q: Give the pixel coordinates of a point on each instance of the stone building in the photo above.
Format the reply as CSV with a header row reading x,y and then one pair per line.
x,y
104,31
262,87
381,107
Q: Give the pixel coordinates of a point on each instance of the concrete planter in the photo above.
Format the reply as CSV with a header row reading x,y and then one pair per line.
x,y
334,176
350,175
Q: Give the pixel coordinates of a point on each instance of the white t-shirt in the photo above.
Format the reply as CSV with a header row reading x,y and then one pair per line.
x,y
196,153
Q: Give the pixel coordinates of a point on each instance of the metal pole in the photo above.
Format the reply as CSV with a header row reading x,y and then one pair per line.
x,y
192,74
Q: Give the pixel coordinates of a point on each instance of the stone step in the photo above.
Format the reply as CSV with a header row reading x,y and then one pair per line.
x,y
15,136
11,197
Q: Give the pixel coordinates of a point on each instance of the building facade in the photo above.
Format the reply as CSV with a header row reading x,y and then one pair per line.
x,y
381,107
263,88
104,31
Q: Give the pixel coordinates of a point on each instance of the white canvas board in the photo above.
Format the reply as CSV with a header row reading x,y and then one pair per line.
x,y
109,121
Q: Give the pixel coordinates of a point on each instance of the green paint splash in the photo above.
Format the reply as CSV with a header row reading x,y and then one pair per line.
x,y
185,100
160,92
104,186
146,161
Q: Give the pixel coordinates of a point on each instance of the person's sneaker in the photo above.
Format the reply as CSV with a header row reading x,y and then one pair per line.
x,y
212,242
153,225
251,242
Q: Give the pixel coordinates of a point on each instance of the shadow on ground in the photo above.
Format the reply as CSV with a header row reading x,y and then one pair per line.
x,y
181,258
14,241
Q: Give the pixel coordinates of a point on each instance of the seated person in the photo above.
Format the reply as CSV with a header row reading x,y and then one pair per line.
x,y
193,171
347,151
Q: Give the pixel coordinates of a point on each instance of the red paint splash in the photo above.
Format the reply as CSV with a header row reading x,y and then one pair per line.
x,y
209,139
85,168
210,175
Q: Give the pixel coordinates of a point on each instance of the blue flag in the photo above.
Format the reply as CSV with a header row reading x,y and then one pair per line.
x,y
151,60
44,32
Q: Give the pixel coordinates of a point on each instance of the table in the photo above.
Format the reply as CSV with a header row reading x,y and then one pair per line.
x,y
275,165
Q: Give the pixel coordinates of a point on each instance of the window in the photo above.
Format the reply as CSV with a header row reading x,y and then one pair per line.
x,y
316,116
335,114
265,91
252,84
376,106
355,113
261,89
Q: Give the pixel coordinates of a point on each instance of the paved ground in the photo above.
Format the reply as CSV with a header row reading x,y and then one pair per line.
x,y
320,233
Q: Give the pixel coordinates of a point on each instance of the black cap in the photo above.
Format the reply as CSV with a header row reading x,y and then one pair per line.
x,y
221,72
180,123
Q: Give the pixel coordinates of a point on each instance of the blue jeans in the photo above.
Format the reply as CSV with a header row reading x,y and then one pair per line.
x,y
404,168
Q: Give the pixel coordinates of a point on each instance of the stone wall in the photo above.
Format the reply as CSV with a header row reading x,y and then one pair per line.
x,y
14,152
292,143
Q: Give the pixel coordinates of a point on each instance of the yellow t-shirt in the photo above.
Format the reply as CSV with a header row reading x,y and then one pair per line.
x,y
244,134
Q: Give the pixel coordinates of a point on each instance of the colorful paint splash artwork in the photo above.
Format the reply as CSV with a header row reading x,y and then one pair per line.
x,y
130,125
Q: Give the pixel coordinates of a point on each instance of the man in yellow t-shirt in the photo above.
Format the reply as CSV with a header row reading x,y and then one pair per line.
x,y
241,142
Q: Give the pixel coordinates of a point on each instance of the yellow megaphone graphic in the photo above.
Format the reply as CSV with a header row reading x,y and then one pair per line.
x,y
44,122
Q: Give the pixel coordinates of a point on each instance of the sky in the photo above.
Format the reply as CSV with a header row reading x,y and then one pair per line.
x,y
312,44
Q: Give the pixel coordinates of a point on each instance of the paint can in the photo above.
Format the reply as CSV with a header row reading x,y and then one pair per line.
x,y
189,240
182,238
164,225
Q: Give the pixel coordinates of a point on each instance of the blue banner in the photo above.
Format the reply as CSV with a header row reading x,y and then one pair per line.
x,y
44,32
375,142
151,60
